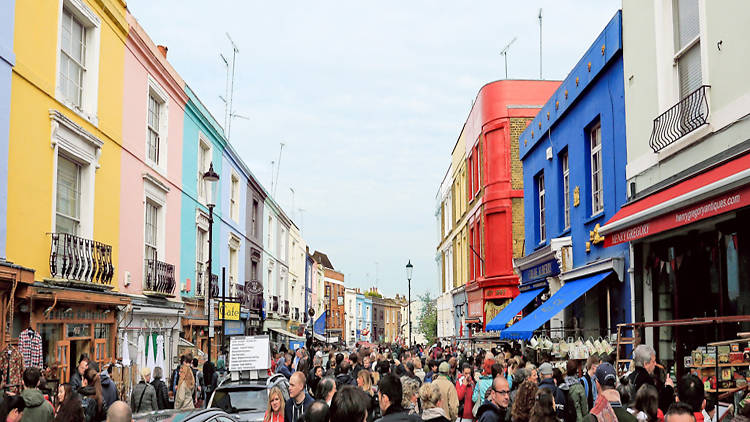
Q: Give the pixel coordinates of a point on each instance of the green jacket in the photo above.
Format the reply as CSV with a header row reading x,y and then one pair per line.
x,y
37,408
576,397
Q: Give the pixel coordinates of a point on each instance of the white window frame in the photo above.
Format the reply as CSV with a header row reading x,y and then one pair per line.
x,y
202,252
541,203
234,196
90,84
76,144
203,187
681,51
234,261
597,179
156,192
159,94
282,244
75,218
269,246
565,163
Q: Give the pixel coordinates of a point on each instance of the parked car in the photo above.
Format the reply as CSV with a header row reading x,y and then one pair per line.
x,y
192,415
244,400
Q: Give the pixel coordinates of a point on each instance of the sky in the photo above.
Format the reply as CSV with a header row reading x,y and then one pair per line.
x,y
368,99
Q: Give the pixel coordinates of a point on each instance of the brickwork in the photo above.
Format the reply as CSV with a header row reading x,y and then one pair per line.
x,y
518,227
517,126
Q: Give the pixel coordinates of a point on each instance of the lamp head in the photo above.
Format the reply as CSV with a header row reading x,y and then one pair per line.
x,y
409,270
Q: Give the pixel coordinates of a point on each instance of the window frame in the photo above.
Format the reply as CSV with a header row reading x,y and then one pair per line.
x,y
680,52
595,156
541,207
477,170
78,171
205,151
234,197
158,94
565,179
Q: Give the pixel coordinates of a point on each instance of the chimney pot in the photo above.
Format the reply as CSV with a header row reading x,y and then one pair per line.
x,y
163,49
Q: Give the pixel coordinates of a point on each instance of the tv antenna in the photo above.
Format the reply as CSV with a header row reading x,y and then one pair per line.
x,y
278,167
228,97
540,43
504,53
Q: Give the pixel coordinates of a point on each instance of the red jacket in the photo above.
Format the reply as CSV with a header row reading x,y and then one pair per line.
x,y
465,391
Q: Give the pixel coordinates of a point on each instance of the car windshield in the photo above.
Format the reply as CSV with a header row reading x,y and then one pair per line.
x,y
239,400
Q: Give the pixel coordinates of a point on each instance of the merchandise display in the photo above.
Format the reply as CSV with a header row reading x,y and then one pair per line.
x,y
733,365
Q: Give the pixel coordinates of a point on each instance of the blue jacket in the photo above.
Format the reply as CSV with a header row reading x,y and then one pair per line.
x,y
289,407
485,382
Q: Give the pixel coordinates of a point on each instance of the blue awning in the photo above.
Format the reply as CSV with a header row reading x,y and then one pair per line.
x,y
502,319
567,294
320,324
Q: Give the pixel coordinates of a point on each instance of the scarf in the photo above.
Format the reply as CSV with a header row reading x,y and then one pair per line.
x,y
186,377
432,413
602,410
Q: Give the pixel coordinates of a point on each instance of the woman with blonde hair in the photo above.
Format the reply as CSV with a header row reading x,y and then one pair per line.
x,y
409,395
185,386
432,402
275,408
364,382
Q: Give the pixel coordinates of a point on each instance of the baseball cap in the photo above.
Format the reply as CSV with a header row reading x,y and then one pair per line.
x,y
545,368
605,374
444,368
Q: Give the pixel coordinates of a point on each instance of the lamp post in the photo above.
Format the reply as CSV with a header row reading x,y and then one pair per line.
x,y
211,177
409,270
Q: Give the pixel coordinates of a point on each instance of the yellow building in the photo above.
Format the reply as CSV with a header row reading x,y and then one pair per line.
x,y
64,170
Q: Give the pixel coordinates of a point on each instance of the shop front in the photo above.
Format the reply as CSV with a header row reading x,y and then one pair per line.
x,y
152,332
195,328
13,279
460,305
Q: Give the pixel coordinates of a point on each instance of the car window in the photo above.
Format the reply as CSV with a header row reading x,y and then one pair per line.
x,y
239,400
222,419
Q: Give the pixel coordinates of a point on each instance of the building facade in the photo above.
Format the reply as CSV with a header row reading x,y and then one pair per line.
x,y
297,258
687,168
276,268
334,303
485,200
7,60
253,298
350,316
583,123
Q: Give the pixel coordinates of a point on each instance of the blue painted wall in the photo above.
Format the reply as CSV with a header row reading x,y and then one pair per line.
x,y
7,60
228,225
585,98
368,320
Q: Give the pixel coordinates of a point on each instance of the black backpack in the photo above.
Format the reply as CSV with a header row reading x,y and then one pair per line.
x,y
569,410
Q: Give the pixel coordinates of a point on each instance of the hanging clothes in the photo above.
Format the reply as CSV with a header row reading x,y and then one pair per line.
x,y
141,359
11,368
30,346
160,358
125,350
151,352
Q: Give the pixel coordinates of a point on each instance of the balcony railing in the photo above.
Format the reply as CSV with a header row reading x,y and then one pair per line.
x,y
684,117
200,285
78,260
159,279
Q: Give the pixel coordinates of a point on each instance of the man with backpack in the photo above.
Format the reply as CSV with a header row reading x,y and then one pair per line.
x,y
576,407
589,379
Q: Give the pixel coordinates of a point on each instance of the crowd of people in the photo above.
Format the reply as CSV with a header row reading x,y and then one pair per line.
x,y
498,385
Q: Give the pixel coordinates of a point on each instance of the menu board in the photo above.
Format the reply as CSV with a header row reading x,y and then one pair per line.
x,y
247,353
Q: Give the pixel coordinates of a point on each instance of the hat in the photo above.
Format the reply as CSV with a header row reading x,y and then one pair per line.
x,y
145,372
444,367
545,368
605,374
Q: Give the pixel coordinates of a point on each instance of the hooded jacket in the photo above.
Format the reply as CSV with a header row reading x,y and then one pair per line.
x,y
485,382
576,397
490,412
109,390
289,412
549,385
344,379
37,408
448,394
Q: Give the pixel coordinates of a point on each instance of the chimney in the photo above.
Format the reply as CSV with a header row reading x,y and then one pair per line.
x,y
163,49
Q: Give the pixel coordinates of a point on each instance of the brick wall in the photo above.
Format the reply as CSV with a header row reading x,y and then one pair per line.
x,y
517,126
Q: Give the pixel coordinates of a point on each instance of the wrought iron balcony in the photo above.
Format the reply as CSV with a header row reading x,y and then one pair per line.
x,y
158,279
684,117
201,282
78,261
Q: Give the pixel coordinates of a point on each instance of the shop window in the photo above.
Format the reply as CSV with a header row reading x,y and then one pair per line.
x,y
78,330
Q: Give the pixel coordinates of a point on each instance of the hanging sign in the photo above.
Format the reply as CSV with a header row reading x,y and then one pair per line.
x,y
229,310
211,319
545,269
247,353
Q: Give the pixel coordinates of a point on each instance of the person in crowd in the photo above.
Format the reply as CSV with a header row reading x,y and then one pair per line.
x,y
709,412
410,396
608,405
283,369
109,389
433,368
484,383
588,379
119,412
495,408
318,412
519,377
524,401
644,359
453,362
465,390
69,407
680,412
690,391
646,405
12,408
183,398
210,378
349,405
76,380
143,398
544,407
548,383
432,409
418,371
94,407
512,367
314,378
162,395
37,408
575,401
364,383
299,400
447,391
342,375
327,387
275,408
355,363
390,396
199,396
409,366
558,377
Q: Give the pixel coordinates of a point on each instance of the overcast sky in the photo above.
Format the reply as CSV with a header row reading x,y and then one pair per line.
x,y
368,98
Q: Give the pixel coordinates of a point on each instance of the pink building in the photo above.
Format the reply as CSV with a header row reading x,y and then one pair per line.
x,y
153,113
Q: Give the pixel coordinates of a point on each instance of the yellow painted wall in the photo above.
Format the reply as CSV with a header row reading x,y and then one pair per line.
x,y
31,158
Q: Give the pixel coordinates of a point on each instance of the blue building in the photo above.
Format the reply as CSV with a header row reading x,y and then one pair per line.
x,y
367,334
7,60
574,155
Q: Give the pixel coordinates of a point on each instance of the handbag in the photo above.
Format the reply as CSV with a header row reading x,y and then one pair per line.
x,y
475,409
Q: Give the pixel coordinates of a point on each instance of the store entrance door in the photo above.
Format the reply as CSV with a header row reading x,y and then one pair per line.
x,y
79,347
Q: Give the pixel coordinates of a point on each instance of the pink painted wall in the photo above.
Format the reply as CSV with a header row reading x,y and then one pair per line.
x,y
143,59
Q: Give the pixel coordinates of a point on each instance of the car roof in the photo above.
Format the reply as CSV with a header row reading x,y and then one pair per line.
x,y
241,384
177,415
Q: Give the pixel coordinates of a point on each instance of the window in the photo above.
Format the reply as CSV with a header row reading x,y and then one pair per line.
x,y
72,58
234,197
152,145
254,228
566,188
687,45
541,204
270,230
68,201
472,269
477,177
151,231
204,162
234,249
282,245
597,198
470,175
254,270
201,256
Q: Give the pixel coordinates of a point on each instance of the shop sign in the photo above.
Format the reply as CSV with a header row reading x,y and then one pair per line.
x,y
545,269
296,328
296,344
247,353
705,209
475,303
77,315
234,328
497,293
230,311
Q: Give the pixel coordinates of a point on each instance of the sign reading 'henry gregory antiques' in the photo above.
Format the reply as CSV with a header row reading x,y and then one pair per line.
x,y
248,353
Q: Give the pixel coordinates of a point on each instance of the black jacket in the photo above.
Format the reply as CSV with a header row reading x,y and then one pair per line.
x,y
489,412
549,384
397,414
162,395
91,409
640,376
109,390
289,405
344,379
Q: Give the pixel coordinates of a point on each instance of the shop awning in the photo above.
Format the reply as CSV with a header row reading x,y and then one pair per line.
x,y
567,294
514,307
719,190
287,333
324,339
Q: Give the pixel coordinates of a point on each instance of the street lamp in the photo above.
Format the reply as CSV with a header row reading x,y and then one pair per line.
x,y
409,270
211,177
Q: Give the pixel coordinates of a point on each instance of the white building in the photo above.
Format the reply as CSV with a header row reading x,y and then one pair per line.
x,y
417,337
277,288
445,323
350,315
297,256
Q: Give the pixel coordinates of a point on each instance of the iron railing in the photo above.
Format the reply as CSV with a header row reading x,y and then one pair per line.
x,y
200,284
77,259
684,117
159,278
